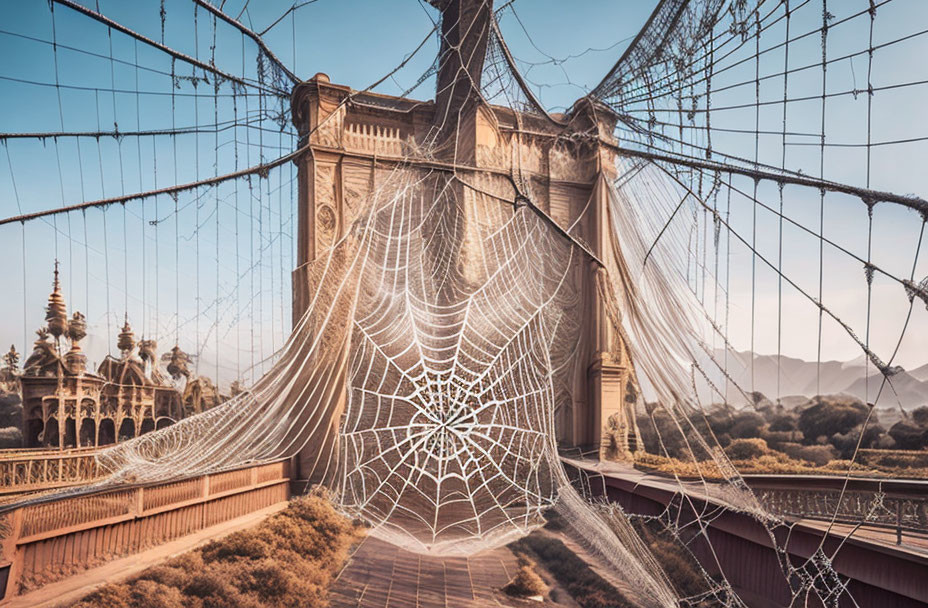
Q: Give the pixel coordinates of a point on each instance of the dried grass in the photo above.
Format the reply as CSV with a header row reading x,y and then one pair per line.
x,y
777,463
581,582
287,561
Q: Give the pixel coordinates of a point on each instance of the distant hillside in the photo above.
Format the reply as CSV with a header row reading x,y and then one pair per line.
x,y
920,373
807,378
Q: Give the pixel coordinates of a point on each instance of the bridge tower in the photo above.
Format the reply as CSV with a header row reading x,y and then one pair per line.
x,y
355,139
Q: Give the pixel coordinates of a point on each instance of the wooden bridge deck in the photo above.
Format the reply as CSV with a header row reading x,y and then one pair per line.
x,y
381,575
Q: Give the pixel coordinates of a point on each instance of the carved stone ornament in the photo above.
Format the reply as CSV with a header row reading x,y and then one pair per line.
x,y
326,218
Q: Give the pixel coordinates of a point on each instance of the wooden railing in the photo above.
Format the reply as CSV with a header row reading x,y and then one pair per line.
x,y
42,469
54,539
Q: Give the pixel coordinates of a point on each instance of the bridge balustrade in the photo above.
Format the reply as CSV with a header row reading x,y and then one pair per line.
x,y
47,541
32,470
899,505
734,542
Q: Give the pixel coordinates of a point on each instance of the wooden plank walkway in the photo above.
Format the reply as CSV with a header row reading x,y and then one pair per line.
x,y
380,575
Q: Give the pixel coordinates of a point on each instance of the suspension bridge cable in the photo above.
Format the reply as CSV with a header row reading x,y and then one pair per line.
x,y
112,25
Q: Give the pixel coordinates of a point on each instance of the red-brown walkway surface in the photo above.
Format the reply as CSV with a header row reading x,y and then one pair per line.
x,y
380,575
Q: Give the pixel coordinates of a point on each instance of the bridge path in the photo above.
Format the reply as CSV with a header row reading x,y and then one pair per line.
x,y
381,575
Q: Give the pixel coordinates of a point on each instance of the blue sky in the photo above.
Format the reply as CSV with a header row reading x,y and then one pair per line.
x,y
113,271
233,244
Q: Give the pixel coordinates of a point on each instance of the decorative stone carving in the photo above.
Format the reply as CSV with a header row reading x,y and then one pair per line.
x,y
326,222
356,185
126,343
873,507
326,205
330,127
178,366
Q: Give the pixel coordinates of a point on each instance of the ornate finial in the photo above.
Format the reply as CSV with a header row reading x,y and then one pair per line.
x,y
56,313
126,339
43,353
77,329
236,388
147,350
9,373
178,365
41,336
11,359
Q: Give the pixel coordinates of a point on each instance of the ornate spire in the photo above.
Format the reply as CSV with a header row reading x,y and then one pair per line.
x,y
126,341
178,365
11,359
9,373
56,313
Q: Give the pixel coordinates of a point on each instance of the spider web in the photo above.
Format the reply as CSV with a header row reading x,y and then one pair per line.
x,y
425,381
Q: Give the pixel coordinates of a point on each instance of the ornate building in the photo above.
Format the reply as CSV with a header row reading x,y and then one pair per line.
x,y
66,405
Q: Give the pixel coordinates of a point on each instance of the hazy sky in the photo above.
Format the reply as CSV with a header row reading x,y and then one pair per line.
x,y
233,244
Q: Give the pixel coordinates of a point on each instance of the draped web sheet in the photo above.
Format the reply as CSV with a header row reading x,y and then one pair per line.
x,y
422,384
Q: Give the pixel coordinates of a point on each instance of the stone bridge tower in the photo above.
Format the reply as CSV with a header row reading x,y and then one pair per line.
x,y
357,138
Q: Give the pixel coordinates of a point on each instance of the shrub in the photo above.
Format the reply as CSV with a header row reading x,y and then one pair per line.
x,y
783,423
661,429
149,594
746,425
11,410
526,582
775,438
746,449
846,443
140,594
920,415
678,564
246,544
114,595
791,449
908,436
831,415
167,575
586,587
885,442
215,590
817,454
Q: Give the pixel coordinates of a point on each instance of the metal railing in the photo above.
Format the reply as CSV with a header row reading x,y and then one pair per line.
x,y
899,505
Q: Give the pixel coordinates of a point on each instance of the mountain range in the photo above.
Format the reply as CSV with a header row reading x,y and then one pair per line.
x,y
799,378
